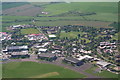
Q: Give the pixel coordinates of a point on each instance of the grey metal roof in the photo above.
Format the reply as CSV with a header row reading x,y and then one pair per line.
x,y
72,59
17,47
20,53
47,55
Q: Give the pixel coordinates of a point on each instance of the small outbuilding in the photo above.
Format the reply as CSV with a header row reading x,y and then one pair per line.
x,y
42,50
52,36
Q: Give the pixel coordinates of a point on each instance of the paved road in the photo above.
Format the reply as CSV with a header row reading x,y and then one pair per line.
x,y
58,62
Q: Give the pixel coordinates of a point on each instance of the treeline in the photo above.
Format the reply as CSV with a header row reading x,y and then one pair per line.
x,y
75,13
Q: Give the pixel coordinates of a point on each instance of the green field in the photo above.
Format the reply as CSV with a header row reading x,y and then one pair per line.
x,y
37,70
7,5
29,31
82,6
59,18
105,11
87,40
14,18
73,35
103,17
116,37
54,21
0,70
104,73
96,24
100,36
70,34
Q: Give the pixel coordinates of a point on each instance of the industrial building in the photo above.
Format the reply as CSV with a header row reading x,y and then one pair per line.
x,y
73,61
47,56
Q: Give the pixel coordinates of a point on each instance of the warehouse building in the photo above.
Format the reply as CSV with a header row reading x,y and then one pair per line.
x,y
52,36
17,51
17,48
73,61
17,55
47,56
103,64
42,50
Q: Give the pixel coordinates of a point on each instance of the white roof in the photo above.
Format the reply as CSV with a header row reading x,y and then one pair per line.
x,y
103,63
56,51
96,59
84,57
80,58
42,49
17,26
20,53
26,47
83,51
87,56
18,47
52,35
25,51
45,44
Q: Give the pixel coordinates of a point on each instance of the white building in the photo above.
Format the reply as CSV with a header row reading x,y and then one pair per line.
x,y
84,51
42,50
36,36
5,36
102,63
79,57
52,36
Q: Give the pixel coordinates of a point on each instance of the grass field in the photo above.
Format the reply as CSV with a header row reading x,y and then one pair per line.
x,y
73,35
103,17
14,23
36,70
53,21
99,36
60,18
0,70
96,24
70,34
7,5
82,6
87,40
13,18
105,11
104,73
29,31
116,37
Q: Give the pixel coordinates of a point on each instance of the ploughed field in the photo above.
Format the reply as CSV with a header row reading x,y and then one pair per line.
x,y
37,70
24,10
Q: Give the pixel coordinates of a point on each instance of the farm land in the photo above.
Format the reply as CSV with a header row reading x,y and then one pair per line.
x,y
11,5
70,34
87,14
79,23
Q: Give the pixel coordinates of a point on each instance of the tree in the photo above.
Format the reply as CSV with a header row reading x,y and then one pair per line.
x,y
78,35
